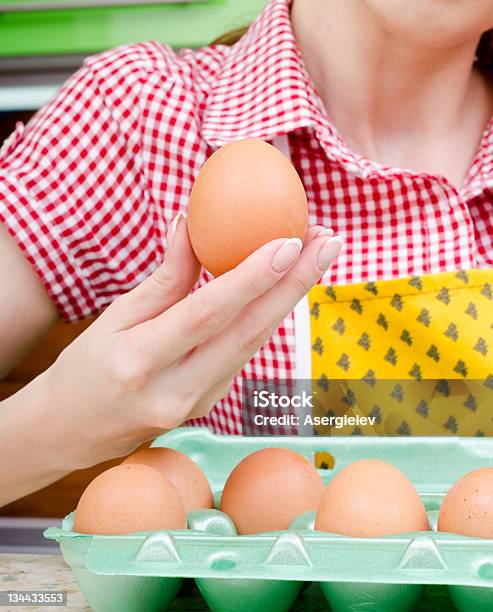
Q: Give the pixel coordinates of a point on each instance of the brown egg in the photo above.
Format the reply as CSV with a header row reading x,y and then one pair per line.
x,y
246,194
370,498
186,476
129,498
468,506
269,489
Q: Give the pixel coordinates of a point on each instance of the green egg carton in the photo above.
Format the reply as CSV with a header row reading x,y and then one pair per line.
x,y
142,572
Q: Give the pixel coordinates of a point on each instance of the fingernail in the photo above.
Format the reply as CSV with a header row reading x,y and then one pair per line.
x,y
172,230
286,255
328,252
326,231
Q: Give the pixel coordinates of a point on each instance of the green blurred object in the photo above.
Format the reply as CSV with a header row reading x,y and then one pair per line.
x,y
89,30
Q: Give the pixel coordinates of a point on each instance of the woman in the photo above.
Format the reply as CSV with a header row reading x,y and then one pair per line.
x,y
383,110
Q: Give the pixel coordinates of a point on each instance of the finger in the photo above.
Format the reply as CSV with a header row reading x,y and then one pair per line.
x,y
207,402
317,230
201,314
219,390
236,344
167,285
210,399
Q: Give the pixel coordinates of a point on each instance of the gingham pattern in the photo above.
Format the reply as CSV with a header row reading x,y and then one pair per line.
x,y
90,185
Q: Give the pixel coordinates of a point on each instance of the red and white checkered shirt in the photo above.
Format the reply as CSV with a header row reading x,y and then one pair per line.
x,y
89,186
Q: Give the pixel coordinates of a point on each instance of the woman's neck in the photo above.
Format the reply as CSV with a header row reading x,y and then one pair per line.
x,y
393,101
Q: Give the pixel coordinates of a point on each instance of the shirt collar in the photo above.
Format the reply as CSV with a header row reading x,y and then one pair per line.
x,y
480,176
263,90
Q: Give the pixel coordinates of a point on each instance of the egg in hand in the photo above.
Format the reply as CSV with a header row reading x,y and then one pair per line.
x,y
246,194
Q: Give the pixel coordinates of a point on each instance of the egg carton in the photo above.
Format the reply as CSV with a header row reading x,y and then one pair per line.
x,y
265,572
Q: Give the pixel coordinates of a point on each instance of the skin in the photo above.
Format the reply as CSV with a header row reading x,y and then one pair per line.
x,y
26,312
155,358
397,78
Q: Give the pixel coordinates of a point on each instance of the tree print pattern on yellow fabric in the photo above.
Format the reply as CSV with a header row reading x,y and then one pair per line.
x,y
419,350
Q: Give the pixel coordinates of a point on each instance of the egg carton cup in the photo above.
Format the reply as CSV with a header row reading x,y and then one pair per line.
x,y
265,572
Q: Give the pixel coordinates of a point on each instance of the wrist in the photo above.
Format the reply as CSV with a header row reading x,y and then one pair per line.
x,y
56,418
29,444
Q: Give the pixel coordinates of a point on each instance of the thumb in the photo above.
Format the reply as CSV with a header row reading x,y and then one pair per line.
x,y
168,284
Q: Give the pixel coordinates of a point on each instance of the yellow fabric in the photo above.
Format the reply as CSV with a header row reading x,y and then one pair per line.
x,y
402,341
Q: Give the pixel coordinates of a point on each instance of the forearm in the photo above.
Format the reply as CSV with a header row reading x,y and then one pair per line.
x,y
32,455
26,310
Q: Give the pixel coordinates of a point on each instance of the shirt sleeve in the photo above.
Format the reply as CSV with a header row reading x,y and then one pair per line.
x,y
72,192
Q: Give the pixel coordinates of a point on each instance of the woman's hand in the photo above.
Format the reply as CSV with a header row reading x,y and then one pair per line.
x,y
160,355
